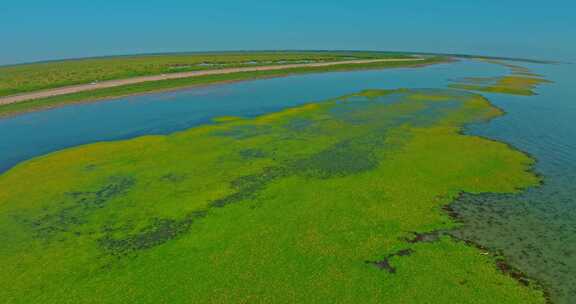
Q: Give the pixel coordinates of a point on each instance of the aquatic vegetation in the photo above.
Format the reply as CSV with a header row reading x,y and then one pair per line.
x,y
521,81
516,85
318,203
534,230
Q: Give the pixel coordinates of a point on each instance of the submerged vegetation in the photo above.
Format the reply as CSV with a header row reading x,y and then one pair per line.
x,y
534,230
324,202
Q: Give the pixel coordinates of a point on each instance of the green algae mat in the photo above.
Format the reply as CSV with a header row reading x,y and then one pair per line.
x,y
519,81
323,203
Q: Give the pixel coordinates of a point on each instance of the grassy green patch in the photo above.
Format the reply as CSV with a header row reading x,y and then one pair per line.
x,y
313,204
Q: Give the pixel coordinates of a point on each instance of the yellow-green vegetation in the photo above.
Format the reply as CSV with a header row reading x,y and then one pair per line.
x,y
163,85
314,204
520,81
514,69
36,76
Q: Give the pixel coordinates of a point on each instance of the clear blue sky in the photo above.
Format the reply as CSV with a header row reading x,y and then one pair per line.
x,y
42,29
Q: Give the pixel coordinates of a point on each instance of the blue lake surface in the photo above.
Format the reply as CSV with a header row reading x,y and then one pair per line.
x,y
535,230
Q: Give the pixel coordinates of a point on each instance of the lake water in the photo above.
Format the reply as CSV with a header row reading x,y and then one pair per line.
x,y
535,230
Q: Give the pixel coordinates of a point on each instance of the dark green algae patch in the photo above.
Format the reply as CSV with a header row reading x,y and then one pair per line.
x,y
317,203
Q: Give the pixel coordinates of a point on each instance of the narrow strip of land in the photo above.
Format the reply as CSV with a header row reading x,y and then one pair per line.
x,y
120,82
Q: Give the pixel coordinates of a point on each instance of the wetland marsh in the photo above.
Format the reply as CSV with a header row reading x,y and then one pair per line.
x,y
308,188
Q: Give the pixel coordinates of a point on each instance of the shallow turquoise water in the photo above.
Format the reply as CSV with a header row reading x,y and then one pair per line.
x,y
535,230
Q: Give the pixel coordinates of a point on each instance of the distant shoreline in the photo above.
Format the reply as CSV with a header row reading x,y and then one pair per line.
x,y
135,80
457,55
164,85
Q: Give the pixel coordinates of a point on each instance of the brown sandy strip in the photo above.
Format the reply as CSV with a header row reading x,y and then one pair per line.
x,y
120,82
